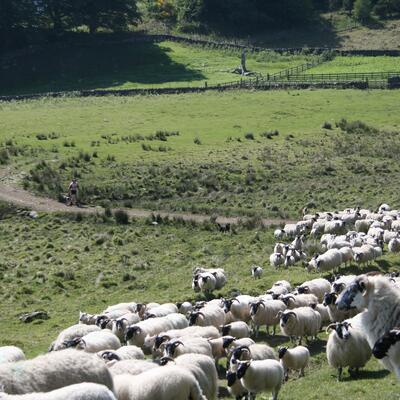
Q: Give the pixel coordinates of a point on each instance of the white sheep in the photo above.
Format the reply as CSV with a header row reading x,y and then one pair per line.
x,y
328,261
347,254
379,301
97,341
388,346
336,315
300,300
123,353
207,282
197,345
363,254
335,227
238,329
255,351
185,307
53,371
79,391
71,334
121,306
136,334
120,325
239,307
265,313
276,259
283,283
346,347
388,235
11,354
167,383
203,369
300,322
279,234
160,311
208,315
235,387
131,367
280,248
256,271
317,287
341,282
260,376
291,230
394,245
289,261
296,359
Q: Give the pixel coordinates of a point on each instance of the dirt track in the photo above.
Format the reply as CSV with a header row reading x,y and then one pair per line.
x,y
11,193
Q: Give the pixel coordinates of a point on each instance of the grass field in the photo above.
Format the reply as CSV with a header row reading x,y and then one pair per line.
x,y
357,64
131,65
225,158
64,264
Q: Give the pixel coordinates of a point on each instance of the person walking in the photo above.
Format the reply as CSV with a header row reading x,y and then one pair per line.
x,y
73,192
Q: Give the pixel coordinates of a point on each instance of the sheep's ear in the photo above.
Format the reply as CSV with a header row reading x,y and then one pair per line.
x,y
2,389
364,285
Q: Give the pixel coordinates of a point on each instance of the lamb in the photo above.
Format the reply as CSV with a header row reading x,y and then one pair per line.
x,y
131,367
79,391
336,315
329,261
303,321
11,354
161,311
203,369
218,273
123,353
394,245
238,329
239,307
261,375
52,371
388,345
379,302
346,347
276,259
208,315
207,282
197,345
97,341
136,334
265,313
279,234
296,359
317,287
167,383
289,261
301,300
256,272
280,248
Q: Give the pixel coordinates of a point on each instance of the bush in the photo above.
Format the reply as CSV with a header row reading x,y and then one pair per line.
x,y
121,217
249,136
41,136
107,212
362,10
327,125
197,141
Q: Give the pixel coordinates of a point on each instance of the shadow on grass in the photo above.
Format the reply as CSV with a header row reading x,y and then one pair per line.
x,y
316,347
377,265
93,66
365,374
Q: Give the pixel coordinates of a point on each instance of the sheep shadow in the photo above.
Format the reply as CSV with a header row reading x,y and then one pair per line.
x,y
365,374
316,347
271,340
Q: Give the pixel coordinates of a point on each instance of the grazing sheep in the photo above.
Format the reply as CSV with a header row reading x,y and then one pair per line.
x,y
346,347
167,383
335,226
300,300
317,287
53,371
300,322
328,261
11,354
203,369
279,234
260,376
208,315
265,313
238,329
276,259
97,341
256,272
123,353
207,282
291,230
379,301
131,367
388,346
79,391
296,359
347,255
136,334
185,345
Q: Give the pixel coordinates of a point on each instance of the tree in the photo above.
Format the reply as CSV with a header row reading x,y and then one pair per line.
x,y
362,10
112,14
162,10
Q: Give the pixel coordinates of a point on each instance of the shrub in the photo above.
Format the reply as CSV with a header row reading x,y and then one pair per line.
x,y
197,141
121,217
327,125
269,134
107,212
249,136
41,136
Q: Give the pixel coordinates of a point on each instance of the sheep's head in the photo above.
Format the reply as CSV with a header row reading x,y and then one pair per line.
x,y
341,329
159,340
231,378
282,351
132,331
288,300
355,295
303,289
171,346
338,287
165,360
384,343
329,298
242,368
228,304
109,356
254,306
287,318
227,341
193,316
225,329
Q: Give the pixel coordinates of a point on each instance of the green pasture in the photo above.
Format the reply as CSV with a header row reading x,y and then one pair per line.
x,y
127,65
64,264
219,152
357,64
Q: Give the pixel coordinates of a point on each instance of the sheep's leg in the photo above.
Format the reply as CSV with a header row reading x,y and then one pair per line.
x,y
339,377
267,329
253,396
275,394
286,375
274,330
301,372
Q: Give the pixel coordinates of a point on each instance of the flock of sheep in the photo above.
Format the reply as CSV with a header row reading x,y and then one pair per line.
x,y
104,355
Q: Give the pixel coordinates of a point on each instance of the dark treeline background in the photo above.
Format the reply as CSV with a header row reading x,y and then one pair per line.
x,y
23,22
